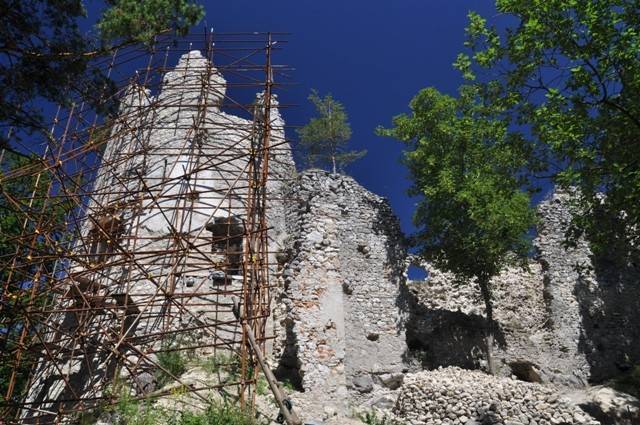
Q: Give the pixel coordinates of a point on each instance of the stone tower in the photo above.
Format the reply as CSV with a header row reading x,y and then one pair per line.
x,y
163,239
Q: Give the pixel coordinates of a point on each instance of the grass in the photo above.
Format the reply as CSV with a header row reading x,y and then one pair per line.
x,y
131,411
173,361
262,386
135,412
177,362
371,418
221,363
218,414
230,364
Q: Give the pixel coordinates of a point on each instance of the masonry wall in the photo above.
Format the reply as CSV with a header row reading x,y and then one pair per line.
x,y
568,319
593,300
343,309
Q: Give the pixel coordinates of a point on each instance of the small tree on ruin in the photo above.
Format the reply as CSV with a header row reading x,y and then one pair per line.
x,y
473,215
325,137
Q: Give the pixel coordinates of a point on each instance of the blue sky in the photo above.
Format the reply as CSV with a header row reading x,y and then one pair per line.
x,y
372,55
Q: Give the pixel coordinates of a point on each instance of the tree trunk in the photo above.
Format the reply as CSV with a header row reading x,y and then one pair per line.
x,y
333,161
485,289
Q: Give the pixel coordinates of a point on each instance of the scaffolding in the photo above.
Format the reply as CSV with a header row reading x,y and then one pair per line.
x,y
138,232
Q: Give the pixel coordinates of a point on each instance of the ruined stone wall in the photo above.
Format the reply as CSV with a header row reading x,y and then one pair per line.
x,y
343,276
563,268
447,321
593,300
568,319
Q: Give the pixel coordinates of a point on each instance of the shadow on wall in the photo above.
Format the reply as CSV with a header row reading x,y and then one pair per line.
x,y
610,310
437,337
95,365
288,369
386,223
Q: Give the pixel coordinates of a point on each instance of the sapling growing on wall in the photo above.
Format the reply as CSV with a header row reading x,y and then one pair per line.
x,y
472,215
325,137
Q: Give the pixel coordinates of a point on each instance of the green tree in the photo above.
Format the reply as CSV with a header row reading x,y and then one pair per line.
x,y
472,215
569,72
25,233
44,56
12,198
324,138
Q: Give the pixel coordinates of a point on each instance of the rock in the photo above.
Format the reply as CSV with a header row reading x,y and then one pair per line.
x,y
330,411
346,262
363,383
526,371
364,249
605,405
384,403
457,396
392,380
146,382
315,237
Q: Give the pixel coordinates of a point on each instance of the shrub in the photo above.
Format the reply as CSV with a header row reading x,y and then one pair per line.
x,y
131,411
174,362
222,363
371,418
218,414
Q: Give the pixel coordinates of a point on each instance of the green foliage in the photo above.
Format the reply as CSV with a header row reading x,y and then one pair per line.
x,y
22,203
229,367
324,138
45,55
41,57
172,359
569,71
371,418
262,386
131,411
221,362
288,385
16,188
218,414
142,20
472,214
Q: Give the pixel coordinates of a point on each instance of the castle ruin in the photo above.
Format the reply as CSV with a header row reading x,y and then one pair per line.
x,y
191,207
